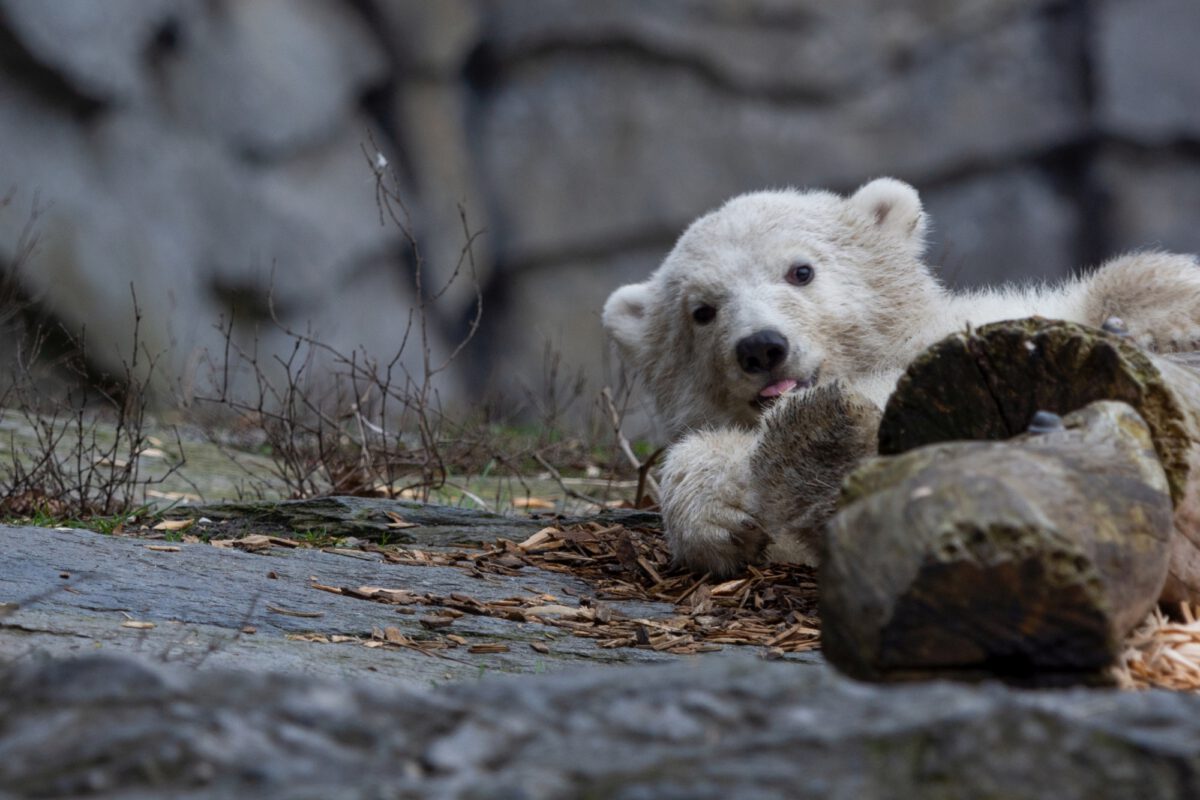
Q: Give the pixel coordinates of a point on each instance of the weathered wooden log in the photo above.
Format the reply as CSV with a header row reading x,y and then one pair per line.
x,y
1026,559
988,383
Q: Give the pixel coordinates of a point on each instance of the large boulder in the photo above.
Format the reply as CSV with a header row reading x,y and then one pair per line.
x,y
782,50
272,76
98,49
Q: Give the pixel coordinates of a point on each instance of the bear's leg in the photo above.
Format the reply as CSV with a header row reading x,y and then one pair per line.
x,y
1156,295
707,502
731,497
806,447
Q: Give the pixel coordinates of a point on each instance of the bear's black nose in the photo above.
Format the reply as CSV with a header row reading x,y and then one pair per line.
x,y
762,351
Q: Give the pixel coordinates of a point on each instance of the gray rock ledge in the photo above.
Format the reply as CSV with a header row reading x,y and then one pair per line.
x,y
110,727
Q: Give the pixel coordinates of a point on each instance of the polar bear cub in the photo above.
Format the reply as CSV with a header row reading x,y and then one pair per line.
x,y
773,332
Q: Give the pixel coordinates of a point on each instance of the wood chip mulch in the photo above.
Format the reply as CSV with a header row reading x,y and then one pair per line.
x,y
773,606
1163,653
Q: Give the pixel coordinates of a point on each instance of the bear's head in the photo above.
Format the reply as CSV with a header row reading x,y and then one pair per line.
x,y
774,292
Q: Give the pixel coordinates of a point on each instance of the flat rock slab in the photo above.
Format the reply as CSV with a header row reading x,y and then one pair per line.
x,y
72,591
76,592
113,727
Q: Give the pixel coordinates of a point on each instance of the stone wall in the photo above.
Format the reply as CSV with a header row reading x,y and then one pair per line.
x,y
196,149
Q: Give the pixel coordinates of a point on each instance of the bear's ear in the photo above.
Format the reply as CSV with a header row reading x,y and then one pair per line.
x,y
892,206
625,315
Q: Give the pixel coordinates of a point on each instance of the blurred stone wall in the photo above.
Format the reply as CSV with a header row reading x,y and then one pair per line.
x,y
196,148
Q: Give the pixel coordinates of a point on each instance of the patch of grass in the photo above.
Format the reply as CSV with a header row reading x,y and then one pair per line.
x,y
98,523
316,537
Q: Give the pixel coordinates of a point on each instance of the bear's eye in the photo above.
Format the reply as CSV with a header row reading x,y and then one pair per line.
x,y
704,314
801,273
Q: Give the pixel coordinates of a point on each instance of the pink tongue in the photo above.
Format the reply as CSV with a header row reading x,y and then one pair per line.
x,y
779,387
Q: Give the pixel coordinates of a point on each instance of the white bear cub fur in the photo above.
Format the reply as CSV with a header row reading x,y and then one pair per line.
x,y
808,305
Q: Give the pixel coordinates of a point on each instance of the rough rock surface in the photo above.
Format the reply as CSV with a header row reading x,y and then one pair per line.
x,y
96,47
75,590
1146,92
966,213
935,115
106,728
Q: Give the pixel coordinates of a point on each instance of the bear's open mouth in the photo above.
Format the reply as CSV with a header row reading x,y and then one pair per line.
x,y
776,389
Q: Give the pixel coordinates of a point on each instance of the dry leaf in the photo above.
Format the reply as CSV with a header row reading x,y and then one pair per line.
x,y
292,613
182,496
542,541
133,623
565,612
398,521
728,587
174,524
487,648
163,548
315,638
283,541
398,596
538,647
532,502
254,543
649,568
541,537
348,553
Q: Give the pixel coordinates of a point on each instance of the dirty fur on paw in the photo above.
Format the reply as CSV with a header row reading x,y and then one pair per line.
x,y
807,447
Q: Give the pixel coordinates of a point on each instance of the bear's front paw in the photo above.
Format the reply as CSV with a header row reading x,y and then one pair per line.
x,y
714,536
708,503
